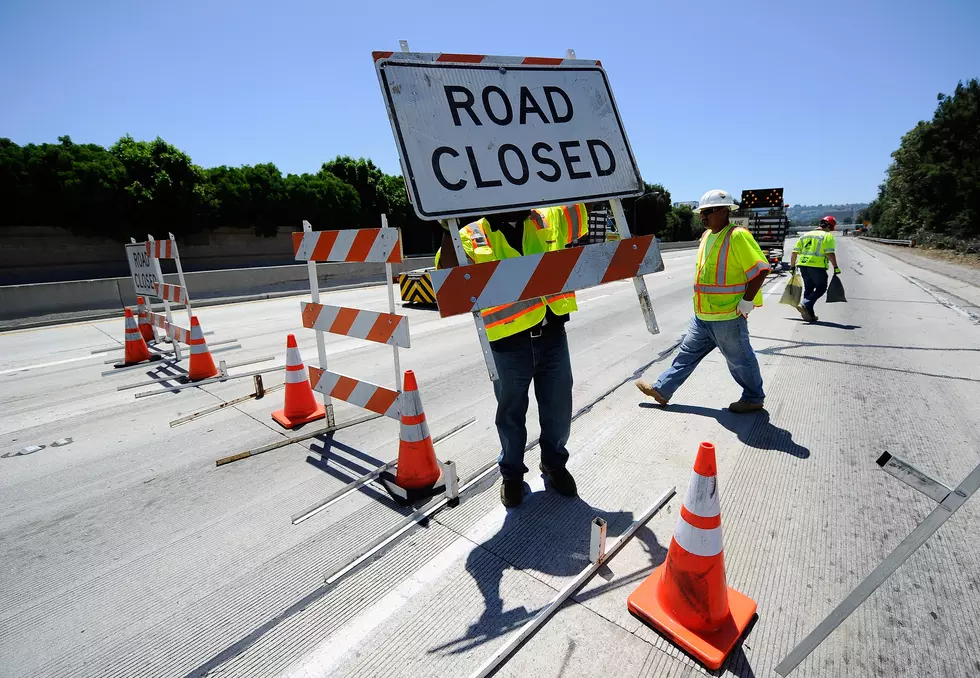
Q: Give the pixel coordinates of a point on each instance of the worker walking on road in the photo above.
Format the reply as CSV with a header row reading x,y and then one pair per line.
x,y
528,342
730,270
814,249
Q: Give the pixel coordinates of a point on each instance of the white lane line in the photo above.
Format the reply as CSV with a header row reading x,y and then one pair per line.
x,y
601,296
56,362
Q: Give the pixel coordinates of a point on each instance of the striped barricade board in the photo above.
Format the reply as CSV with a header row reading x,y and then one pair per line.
x,y
471,288
168,292
362,245
161,249
383,328
173,331
384,401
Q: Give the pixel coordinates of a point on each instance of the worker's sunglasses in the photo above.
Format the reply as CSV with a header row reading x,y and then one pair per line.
x,y
711,210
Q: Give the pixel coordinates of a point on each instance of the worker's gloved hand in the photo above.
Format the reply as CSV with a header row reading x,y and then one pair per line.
x,y
745,307
836,270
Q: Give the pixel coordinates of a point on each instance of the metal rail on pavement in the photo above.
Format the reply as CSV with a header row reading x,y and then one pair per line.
x,y
884,241
598,556
950,500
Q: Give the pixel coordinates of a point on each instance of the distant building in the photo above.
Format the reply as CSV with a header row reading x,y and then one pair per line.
x,y
690,203
842,215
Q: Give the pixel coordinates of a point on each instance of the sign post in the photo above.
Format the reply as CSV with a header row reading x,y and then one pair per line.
x,y
482,135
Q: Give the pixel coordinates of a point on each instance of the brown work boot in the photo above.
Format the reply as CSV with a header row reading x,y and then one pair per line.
x,y
809,317
649,390
744,407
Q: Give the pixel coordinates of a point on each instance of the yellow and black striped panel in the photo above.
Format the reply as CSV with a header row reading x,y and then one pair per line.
x,y
417,290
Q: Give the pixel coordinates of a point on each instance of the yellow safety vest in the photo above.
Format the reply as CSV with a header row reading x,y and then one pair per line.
x,y
814,246
724,272
546,230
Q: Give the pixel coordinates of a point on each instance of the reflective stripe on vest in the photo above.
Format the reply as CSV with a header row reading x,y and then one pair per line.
x,y
509,312
703,303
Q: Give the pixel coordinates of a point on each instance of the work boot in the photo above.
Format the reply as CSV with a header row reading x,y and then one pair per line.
x,y
512,492
809,317
744,407
562,481
649,390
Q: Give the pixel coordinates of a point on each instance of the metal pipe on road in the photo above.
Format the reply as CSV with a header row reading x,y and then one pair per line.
x,y
884,241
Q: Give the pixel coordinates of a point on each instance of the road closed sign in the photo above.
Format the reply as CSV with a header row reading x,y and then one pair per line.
x,y
141,268
478,134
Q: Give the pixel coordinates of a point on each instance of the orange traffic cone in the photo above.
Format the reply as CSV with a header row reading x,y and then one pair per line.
x,y
419,473
136,350
687,598
201,364
146,327
301,406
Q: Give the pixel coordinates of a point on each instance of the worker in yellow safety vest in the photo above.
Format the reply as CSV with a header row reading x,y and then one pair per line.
x,y
528,341
728,279
814,249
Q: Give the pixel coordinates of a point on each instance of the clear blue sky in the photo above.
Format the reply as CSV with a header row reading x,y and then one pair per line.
x,y
810,96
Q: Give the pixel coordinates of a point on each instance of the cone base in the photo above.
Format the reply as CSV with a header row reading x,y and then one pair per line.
x,y
405,496
151,359
708,647
292,422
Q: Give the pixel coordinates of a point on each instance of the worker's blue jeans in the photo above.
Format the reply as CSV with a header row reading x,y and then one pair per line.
x,y
545,361
814,285
731,337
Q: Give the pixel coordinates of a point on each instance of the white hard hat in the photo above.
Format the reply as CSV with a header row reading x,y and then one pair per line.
x,y
716,197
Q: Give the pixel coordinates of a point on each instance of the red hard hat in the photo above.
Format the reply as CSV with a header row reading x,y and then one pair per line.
x,y
830,220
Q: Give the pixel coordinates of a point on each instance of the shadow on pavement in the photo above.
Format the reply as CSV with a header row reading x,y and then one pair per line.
x,y
754,430
547,533
828,323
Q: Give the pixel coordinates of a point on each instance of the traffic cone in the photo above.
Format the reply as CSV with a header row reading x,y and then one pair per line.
x,y
687,598
419,473
201,364
301,406
136,350
146,327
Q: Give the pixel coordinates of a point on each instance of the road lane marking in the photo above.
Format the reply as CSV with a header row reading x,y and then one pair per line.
x,y
52,364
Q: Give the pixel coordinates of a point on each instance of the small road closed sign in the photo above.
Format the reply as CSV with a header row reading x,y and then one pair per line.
x,y
480,134
141,267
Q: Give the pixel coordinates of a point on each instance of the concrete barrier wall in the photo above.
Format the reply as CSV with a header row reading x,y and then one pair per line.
x,y
686,245
29,301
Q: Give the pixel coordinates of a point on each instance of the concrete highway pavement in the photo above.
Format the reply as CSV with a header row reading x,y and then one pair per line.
x,y
127,552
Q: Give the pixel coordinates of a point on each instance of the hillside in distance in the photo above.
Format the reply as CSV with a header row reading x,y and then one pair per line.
x,y
805,213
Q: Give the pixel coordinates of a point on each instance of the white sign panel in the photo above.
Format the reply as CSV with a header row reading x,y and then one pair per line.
x,y
497,134
141,267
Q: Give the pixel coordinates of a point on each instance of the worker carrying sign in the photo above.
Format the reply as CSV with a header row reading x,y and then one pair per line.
x,y
520,147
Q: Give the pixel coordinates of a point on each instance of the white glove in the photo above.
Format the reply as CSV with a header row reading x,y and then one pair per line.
x,y
745,307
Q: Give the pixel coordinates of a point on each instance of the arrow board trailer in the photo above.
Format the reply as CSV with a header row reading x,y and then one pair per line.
x,y
141,268
478,134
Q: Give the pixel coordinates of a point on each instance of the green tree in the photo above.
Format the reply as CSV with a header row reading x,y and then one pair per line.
x,y
161,191
933,183
368,181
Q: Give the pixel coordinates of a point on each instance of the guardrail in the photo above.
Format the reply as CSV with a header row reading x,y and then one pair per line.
x,y
884,241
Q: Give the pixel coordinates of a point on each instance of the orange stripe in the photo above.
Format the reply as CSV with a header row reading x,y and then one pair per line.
x,y
324,243
315,374
297,240
568,223
344,387
345,318
705,464
462,58
310,314
455,294
697,521
396,252
362,244
542,61
413,420
381,401
551,273
383,328
511,318
378,56
626,260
